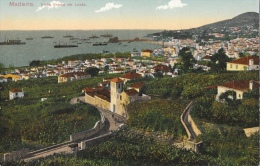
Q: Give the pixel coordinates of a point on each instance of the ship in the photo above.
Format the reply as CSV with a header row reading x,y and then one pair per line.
x,y
12,42
100,44
93,36
29,38
65,45
106,35
47,37
68,36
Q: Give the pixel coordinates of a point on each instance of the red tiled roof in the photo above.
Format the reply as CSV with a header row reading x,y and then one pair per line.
x,y
138,85
245,60
161,68
72,74
242,85
116,80
131,92
15,90
131,75
206,57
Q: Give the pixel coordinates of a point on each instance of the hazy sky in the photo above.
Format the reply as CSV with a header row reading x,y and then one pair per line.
x,y
118,14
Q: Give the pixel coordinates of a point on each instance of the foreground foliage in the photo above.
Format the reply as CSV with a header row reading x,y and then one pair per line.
x,y
158,115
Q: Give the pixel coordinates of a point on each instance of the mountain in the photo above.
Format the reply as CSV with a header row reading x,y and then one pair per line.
x,y
245,19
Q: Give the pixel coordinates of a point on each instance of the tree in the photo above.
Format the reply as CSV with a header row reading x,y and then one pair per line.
x,y
219,60
186,59
93,71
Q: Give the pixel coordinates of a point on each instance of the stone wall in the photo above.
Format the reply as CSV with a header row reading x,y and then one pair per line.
x,y
16,155
82,145
252,130
182,120
193,125
86,134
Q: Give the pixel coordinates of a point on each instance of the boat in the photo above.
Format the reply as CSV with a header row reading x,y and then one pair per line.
x,y
74,38
106,35
64,46
93,36
100,44
68,36
12,42
29,38
47,37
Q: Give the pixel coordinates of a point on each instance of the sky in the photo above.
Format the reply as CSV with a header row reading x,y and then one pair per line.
x,y
118,14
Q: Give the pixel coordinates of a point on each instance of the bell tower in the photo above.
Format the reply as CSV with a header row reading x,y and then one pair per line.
x,y
116,88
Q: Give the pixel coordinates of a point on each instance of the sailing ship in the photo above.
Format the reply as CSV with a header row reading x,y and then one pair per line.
x,y
12,42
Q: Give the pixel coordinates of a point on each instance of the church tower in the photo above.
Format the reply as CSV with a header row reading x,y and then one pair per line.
x,y
116,88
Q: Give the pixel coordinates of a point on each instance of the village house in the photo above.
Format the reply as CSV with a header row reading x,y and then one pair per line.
x,y
239,87
72,76
161,68
16,93
3,79
13,77
130,76
72,63
244,63
115,99
146,53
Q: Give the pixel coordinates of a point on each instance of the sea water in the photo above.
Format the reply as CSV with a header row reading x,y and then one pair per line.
x,y
43,49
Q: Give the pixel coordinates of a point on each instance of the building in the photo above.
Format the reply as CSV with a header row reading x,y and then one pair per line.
x,y
161,68
115,100
130,76
16,93
72,63
245,63
14,77
239,87
73,76
146,53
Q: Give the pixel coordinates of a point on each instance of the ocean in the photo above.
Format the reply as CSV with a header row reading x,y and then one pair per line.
x,y
43,49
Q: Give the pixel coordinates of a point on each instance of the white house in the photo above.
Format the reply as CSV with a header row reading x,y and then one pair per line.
x,y
16,93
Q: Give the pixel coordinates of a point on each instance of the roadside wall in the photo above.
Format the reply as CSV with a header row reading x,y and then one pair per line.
x,y
182,120
252,130
85,134
193,125
82,145
16,155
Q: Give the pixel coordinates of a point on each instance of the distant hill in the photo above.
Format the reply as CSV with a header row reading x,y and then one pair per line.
x,y
245,19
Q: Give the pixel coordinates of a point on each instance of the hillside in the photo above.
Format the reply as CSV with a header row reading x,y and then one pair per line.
x,y
247,22
249,18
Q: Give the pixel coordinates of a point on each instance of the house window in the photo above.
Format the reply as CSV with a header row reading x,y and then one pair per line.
x,y
239,96
120,97
118,85
236,66
230,66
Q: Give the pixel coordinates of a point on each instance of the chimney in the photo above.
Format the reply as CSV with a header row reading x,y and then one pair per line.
x,y
251,83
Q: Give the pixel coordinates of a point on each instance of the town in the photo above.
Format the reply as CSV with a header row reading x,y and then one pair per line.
x,y
196,97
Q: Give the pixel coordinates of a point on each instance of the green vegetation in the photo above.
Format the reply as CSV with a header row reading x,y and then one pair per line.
x,y
219,61
234,112
158,115
229,145
127,148
186,60
35,125
29,122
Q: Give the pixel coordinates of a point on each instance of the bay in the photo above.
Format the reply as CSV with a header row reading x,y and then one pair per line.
x,y
43,49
